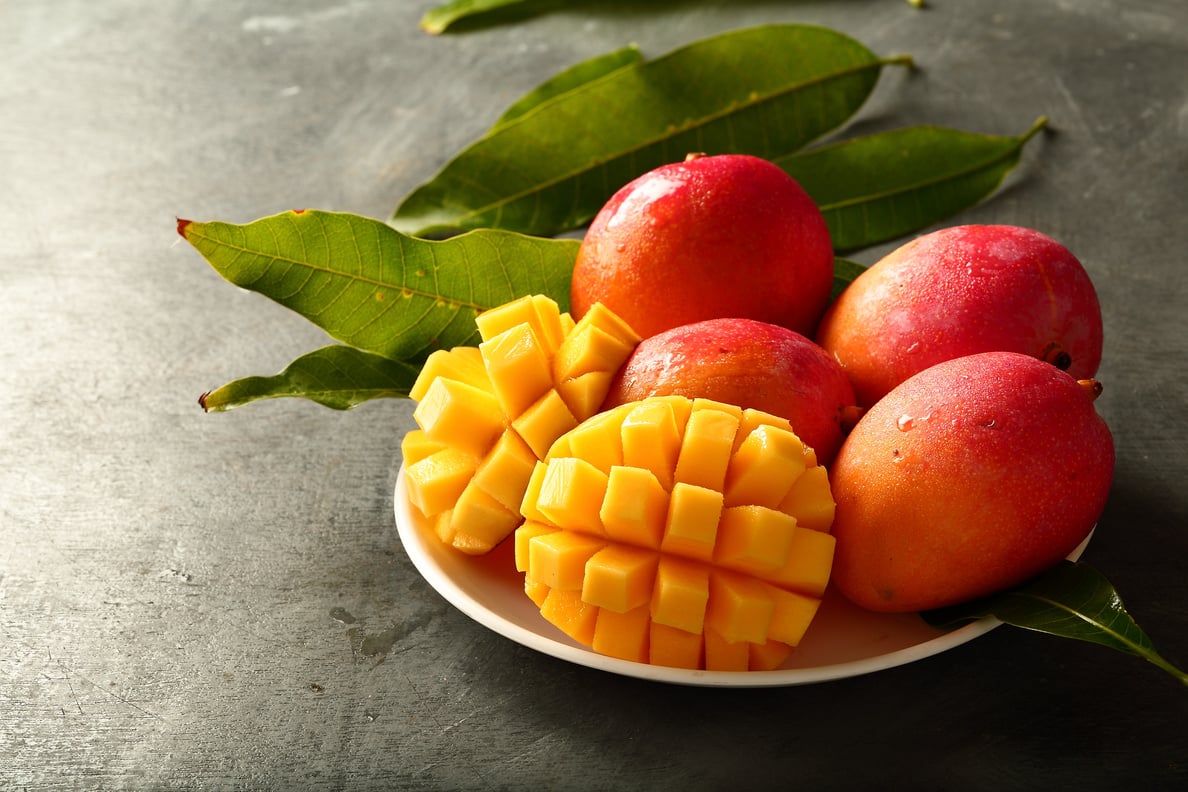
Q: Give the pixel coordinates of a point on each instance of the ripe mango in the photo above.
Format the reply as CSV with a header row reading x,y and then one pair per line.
x,y
748,363
697,536
487,414
724,235
959,291
968,478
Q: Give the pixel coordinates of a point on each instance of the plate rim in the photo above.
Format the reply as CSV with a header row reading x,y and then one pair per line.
x,y
418,552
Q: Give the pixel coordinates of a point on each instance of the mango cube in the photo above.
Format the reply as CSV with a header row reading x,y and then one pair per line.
x,y
754,539
537,311
524,534
463,364
571,494
479,522
724,655
810,558
589,348
791,615
633,507
670,646
691,525
706,448
583,395
596,440
651,439
417,445
537,592
518,365
620,578
680,594
435,482
622,635
739,607
763,467
505,470
767,656
810,500
558,559
460,415
575,618
547,419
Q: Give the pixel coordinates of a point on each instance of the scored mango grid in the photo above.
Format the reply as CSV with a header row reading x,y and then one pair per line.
x,y
488,413
627,550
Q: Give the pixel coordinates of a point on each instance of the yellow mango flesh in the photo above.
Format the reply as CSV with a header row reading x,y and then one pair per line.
x,y
710,568
487,414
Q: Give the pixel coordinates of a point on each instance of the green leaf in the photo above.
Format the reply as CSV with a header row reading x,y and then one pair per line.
x,y
339,377
375,289
569,79
1071,600
879,187
844,273
767,91
438,20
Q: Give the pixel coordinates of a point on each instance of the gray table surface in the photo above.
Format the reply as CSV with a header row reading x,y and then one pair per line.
x,y
193,601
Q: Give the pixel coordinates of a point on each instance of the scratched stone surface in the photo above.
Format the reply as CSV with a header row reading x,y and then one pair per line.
x,y
193,601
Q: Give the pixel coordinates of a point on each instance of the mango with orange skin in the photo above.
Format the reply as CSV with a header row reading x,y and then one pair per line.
x,y
968,478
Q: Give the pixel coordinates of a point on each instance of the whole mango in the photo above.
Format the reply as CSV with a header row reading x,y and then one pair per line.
x,y
968,478
713,236
959,291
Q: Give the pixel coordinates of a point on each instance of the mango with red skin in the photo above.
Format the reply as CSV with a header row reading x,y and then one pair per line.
x,y
750,364
970,477
959,291
713,236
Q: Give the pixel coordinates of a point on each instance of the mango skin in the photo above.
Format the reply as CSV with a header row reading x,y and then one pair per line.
x,y
713,236
959,291
747,363
968,478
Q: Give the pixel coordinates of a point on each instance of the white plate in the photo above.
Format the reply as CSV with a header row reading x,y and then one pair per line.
x,y
843,640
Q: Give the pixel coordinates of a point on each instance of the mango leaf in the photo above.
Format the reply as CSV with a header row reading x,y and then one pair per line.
x,y
1071,600
339,377
844,273
879,187
576,75
767,91
438,20
375,289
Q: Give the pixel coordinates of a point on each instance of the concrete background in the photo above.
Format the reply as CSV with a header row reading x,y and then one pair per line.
x,y
192,601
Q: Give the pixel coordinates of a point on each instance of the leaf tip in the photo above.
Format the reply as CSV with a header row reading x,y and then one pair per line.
x,y
182,225
202,402
431,26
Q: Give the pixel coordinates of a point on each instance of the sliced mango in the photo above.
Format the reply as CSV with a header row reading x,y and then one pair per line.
x,y
498,408
700,563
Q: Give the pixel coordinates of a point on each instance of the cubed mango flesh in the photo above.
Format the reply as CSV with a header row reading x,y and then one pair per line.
x,y
460,415
487,414
518,365
727,576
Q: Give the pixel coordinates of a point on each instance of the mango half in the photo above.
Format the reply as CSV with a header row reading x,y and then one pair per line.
x,y
487,414
679,532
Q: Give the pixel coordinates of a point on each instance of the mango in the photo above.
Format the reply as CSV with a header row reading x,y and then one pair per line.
x,y
708,568
960,291
712,236
968,478
487,414
746,363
